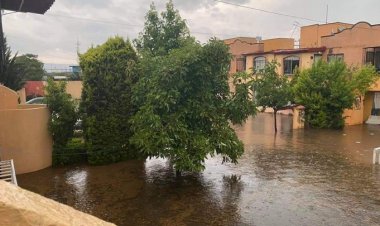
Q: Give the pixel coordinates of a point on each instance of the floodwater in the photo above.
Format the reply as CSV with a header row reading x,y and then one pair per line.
x,y
303,177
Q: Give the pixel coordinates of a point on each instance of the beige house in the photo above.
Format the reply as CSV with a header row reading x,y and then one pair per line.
x,y
358,45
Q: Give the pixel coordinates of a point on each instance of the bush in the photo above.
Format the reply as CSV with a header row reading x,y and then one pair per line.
x,y
63,117
109,72
74,152
327,89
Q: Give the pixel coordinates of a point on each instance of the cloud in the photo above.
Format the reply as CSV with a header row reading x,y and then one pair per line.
x,y
54,36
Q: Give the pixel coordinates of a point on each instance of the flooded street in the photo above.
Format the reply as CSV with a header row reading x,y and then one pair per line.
x,y
301,177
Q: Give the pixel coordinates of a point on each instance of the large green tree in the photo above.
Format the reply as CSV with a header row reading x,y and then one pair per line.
x,y
271,89
33,69
162,33
327,89
110,71
185,106
12,74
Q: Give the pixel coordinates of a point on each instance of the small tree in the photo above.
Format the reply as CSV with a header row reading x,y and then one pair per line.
x,y
162,34
33,69
12,76
63,116
271,90
185,106
110,71
327,89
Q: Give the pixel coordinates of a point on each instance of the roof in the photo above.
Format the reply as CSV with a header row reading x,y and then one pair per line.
x,y
289,51
352,27
342,23
27,6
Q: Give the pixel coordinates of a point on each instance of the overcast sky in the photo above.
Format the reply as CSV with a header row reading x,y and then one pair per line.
x,y
54,36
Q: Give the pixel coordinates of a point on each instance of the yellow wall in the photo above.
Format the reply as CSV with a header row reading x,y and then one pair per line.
x,y
278,43
306,60
74,88
24,135
368,103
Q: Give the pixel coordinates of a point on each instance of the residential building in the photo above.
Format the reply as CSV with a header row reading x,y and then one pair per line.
x,y
241,45
356,45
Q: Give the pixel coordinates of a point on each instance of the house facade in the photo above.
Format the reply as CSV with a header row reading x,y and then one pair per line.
x,y
356,45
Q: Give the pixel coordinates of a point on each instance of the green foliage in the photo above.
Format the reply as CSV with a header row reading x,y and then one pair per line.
x,y
74,152
271,89
63,117
162,34
12,76
185,106
32,68
327,89
110,71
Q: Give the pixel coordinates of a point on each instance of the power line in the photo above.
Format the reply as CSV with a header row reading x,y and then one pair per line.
x,y
267,11
124,24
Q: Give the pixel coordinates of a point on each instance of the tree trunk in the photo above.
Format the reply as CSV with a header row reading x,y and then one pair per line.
x,y
275,120
178,173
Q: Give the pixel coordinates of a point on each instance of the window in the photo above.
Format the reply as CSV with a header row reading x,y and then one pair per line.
x,y
240,64
291,63
333,57
259,63
372,56
317,57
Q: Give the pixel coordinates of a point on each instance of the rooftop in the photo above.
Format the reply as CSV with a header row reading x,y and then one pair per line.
x,y
289,51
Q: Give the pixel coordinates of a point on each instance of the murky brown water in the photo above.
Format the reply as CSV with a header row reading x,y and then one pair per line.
x,y
311,177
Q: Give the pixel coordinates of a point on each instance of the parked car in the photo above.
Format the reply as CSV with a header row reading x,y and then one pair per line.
x,y
37,100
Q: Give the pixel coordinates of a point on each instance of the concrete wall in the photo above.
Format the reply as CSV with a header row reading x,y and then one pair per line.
x,y
351,42
311,35
24,135
278,43
22,95
306,60
74,88
22,207
8,98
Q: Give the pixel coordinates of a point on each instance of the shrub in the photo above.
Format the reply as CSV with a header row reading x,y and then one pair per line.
x,y
109,72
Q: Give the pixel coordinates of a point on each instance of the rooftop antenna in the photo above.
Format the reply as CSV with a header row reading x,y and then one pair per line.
x,y
327,13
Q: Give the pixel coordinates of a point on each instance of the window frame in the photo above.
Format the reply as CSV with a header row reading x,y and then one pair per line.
x,y
255,70
375,53
292,69
337,56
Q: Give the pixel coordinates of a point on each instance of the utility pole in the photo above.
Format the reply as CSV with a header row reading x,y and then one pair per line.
x,y
327,13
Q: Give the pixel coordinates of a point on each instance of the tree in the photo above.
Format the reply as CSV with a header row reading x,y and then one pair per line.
x,y
33,69
110,71
327,89
12,76
162,34
63,117
185,106
271,90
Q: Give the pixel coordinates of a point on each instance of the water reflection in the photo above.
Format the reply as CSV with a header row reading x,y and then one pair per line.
x,y
303,177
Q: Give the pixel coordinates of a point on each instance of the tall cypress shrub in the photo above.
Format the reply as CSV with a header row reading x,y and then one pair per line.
x,y
109,70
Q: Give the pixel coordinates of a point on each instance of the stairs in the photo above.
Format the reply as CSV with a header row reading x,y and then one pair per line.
x,y
7,172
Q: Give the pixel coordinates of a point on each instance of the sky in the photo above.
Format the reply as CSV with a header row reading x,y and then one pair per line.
x,y
69,24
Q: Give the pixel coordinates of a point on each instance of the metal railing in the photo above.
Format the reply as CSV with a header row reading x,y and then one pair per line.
x,y
7,171
376,156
